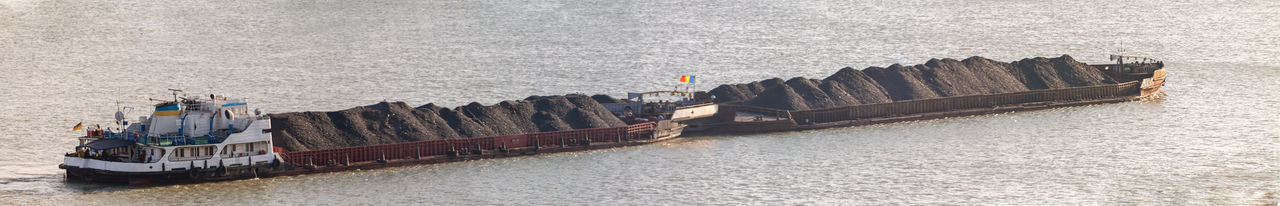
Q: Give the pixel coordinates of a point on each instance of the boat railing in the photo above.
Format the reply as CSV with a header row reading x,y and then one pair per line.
x,y
166,140
191,158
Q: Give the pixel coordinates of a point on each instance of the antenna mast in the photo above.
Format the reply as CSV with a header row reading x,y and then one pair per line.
x,y
175,94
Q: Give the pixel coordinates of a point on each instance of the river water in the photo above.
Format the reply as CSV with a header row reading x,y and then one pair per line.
x,y
1213,140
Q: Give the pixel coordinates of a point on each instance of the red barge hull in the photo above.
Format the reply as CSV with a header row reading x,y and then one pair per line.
x,y
454,150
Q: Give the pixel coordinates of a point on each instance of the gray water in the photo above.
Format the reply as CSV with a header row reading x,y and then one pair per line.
x,y
1212,140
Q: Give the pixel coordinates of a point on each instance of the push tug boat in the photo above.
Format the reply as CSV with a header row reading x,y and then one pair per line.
x,y
185,139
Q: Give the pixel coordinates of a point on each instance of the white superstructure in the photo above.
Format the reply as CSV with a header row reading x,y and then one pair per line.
x,y
204,137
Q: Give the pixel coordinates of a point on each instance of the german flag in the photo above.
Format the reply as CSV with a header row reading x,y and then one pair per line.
x,y
78,126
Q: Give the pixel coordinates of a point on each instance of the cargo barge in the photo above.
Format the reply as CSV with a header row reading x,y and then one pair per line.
x,y
1140,79
190,139
452,150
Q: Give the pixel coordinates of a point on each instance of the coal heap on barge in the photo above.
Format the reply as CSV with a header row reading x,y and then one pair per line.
x,y
396,122
934,79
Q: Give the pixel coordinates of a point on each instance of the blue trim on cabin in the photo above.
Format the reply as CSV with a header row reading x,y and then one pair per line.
x,y
171,107
234,104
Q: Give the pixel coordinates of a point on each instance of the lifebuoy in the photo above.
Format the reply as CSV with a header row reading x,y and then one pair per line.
x,y
228,114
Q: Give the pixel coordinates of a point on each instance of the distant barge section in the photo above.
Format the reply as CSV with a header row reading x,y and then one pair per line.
x,y
1138,81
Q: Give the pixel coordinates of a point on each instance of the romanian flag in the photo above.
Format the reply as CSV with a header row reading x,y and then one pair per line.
x,y
686,78
167,110
78,126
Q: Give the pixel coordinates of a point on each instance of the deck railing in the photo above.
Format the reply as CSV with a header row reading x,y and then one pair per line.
x,y
162,140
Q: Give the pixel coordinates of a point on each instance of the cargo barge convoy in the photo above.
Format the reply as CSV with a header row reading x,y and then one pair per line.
x,y
214,138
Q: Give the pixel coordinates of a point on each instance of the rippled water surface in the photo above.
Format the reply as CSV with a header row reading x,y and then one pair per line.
x,y
1212,140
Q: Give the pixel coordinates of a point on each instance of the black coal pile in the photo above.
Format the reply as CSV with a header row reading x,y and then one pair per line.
x,y
742,92
604,99
394,122
936,78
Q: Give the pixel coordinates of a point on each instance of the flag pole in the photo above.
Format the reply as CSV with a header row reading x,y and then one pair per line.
x,y
693,81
